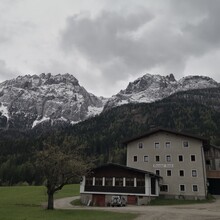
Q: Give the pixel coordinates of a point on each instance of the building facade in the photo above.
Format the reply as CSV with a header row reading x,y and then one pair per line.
x,y
134,185
177,157
212,156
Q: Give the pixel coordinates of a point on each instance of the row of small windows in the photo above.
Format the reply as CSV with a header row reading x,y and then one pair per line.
x,y
182,188
115,181
167,158
166,144
181,173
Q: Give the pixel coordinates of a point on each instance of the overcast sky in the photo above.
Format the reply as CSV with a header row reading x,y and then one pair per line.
x,y
107,43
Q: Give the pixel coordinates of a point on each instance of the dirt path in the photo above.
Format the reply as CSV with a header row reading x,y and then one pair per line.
x,y
208,211
65,203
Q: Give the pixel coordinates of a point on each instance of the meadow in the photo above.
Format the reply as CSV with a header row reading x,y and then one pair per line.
x,y
25,203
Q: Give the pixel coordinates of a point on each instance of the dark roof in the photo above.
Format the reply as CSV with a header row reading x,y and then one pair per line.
x,y
214,146
127,168
205,140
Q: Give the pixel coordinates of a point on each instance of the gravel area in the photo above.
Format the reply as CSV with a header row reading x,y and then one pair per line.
x,y
207,211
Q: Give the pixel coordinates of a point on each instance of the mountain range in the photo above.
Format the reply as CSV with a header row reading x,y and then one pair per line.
x,y
29,101
32,107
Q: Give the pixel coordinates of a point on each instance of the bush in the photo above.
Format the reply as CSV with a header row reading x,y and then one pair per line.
x,y
22,184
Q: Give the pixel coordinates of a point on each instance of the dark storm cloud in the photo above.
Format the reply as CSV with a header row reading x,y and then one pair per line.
x,y
121,43
108,40
103,37
204,28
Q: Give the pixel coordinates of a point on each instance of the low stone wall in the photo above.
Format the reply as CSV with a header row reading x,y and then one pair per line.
x,y
87,199
143,200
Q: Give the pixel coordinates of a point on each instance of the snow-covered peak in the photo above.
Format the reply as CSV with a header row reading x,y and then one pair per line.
x,y
32,81
30,100
150,88
46,97
148,81
197,82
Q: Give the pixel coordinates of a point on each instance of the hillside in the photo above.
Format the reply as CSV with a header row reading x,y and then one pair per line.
x,y
196,112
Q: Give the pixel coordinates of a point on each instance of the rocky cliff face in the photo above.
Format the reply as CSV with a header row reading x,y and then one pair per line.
x,y
150,88
29,100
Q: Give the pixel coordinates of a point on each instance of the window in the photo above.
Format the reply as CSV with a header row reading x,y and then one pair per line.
x,y
194,173
145,158
98,181
180,158
140,145
168,158
182,188
89,181
167,144
169,172
195,188
118,181
108,181
157,172
181,172
129,181
193,158
208,162
157,145
157,158
164,188
185,144
135,158
140,182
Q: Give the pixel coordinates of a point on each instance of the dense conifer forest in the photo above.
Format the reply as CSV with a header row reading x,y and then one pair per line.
x,y
196,112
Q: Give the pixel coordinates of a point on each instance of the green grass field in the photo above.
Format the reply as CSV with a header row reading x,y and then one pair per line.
x,y
25,203
162,201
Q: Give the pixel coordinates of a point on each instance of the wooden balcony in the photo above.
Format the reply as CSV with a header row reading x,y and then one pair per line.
x,y
115,189
213,174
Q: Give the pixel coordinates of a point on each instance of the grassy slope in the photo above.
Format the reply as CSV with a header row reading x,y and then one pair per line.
x,y
24,203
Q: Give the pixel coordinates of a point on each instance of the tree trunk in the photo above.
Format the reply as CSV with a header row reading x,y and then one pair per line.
x,y
50,201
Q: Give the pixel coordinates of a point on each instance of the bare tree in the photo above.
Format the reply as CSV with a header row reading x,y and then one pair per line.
x,y
59,166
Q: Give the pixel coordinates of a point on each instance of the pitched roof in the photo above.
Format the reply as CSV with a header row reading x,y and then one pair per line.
x,y
214,146
127,168
205,140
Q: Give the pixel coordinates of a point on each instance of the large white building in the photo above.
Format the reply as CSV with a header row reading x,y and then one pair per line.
x,y
177,157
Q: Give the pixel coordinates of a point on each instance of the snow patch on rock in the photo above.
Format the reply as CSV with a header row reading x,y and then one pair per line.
x,y
4,110
36,122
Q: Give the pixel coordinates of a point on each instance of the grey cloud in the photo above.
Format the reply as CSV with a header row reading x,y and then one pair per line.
x,y
202,25
106,39
208,30
103,37
5,72
121,43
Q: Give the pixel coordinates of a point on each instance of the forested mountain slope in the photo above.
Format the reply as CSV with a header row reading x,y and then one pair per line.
x,y
197,112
